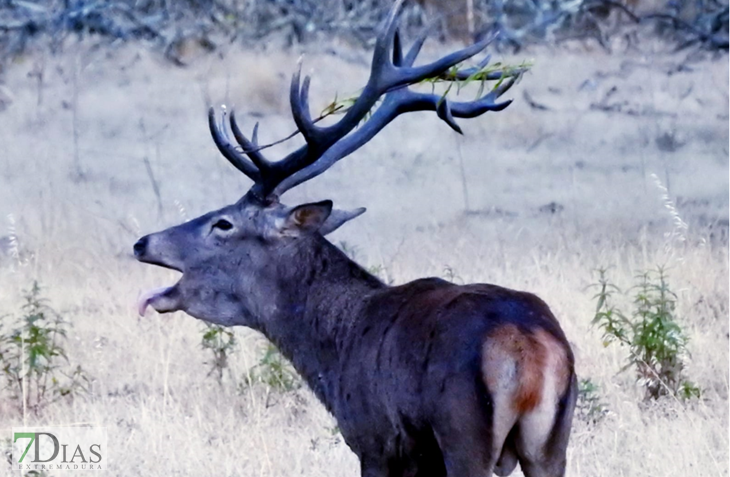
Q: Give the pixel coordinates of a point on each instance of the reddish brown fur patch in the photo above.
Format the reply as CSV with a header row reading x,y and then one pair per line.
x,y
534,354
558,359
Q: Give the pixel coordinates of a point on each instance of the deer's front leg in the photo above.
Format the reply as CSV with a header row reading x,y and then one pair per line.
x,y
369,470
376,467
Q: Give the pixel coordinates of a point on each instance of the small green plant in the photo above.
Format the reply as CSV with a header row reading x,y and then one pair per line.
x,y
380,272
33,359
274,371
657,344
36,473
349,250
220,342
589,407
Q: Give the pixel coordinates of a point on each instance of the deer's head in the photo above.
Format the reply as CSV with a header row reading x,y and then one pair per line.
x,y
232,255
232,259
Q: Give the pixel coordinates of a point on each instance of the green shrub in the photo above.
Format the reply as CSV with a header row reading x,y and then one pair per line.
x,y
32,356
220,342
274,371
657,344
589,407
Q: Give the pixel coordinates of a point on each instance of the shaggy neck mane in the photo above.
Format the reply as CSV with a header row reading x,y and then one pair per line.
x,y
319,306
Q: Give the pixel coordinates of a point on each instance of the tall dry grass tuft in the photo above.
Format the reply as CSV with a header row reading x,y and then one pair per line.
x,y
674,240
181,210
13,244
136,229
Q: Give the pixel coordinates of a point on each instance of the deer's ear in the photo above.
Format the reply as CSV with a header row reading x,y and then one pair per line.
x,y
306,218
338,218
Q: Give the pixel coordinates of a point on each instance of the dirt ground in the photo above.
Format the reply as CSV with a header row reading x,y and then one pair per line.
x,y
601,161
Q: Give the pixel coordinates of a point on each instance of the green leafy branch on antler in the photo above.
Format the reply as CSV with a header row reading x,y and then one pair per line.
x,y
496,72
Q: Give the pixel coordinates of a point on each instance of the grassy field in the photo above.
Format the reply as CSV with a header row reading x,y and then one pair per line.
x,y
533,198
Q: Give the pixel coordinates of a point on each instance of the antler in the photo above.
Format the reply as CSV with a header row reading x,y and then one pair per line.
x,y
390,75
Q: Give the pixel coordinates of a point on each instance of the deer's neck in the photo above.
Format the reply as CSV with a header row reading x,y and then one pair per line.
x,y
322,293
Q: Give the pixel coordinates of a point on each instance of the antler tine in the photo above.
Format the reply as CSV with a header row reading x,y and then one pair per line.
x,y
229,151
250,148
384,42
486,103
397,50
443,111
416,47
299,101
255,135
504,87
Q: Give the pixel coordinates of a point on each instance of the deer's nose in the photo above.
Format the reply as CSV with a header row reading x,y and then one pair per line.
x,y
140,247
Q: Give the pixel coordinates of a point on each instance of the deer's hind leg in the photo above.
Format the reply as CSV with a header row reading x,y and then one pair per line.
x,y
464,457
542,438
472,430
508,456
532,386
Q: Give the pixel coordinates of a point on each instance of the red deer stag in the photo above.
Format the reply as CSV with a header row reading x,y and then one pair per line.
x,y
425,379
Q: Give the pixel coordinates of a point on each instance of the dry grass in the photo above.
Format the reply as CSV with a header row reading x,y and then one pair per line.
x,y
73,230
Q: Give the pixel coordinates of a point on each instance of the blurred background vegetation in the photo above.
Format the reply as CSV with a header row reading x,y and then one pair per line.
x,y
174,26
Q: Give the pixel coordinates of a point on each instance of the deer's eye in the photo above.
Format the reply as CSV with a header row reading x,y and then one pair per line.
x,y
223,224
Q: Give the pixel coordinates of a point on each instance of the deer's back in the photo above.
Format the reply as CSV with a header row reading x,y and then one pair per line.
x,y
420,353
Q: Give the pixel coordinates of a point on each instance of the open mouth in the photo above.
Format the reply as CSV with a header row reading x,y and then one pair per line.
x,y
162,300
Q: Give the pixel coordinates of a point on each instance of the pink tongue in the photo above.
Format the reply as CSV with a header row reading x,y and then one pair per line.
x,y
148,297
